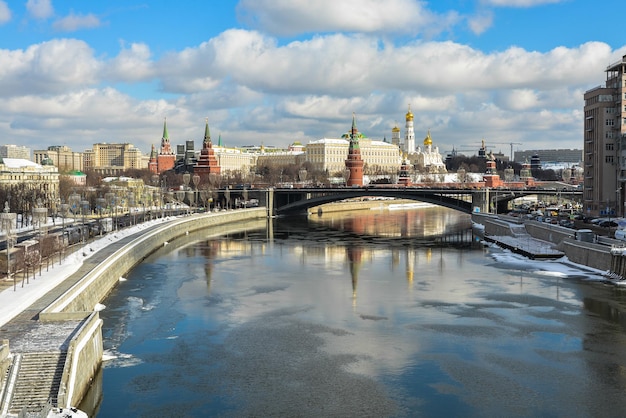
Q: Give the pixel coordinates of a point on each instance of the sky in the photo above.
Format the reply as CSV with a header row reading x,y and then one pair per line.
x,y
273,72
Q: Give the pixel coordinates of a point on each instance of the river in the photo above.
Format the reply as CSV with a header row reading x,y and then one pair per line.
x,y
371,314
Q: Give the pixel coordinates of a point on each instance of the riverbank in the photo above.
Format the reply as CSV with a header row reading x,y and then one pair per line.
x,y
368,204
56,312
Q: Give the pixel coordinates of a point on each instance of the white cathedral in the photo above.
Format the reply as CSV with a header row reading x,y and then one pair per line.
x,y
428,160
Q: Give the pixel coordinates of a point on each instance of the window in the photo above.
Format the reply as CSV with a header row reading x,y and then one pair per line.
x,y
608,159
608,147
610,122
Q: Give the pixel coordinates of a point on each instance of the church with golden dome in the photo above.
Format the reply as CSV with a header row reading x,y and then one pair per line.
x,y
428,159
424,160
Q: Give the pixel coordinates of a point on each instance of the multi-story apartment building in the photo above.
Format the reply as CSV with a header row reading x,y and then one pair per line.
x,y
15,151
62,157
604,151
111,159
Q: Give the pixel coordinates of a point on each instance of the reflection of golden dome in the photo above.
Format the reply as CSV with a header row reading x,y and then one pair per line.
x,y
409,115
428,140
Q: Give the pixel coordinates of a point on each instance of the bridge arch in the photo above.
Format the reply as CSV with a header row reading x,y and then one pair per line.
x,y
296,202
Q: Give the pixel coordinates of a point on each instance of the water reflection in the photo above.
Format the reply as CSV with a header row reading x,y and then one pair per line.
x,y
335,316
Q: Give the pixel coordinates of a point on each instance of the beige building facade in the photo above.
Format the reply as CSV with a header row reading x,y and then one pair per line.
x,y
62,157
604,150
30,176
112,159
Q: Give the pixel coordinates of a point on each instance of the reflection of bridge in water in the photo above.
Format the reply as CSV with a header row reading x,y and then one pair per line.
x,y
300,200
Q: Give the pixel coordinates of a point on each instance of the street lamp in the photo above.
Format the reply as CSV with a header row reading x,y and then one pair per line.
x,y
180,194
64,208
227,197
196,182
84,207
302,173
186,179
74,199
40,216
100,203
8,226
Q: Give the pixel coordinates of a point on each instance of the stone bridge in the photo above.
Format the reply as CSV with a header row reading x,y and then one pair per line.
x,y
284,201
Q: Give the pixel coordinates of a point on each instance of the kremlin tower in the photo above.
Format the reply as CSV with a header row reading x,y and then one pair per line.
x,y
354,162
153,166
207,162
409,135
165,159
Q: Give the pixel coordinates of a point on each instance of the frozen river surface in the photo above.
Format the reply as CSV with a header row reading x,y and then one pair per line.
x,y
381,315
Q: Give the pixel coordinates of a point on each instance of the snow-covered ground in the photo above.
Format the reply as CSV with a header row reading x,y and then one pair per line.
x,y
12,302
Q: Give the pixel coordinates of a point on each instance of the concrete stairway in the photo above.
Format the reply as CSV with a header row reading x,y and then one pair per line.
x,y
38,380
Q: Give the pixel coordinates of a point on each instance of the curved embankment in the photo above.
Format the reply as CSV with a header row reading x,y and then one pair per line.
x,y
84,353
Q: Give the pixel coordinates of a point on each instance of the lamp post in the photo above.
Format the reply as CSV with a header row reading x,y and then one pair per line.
x,y
84,207
302,173
40,216
196,182
74,199
64,209
227,197
131,206
179,196
100,203
186,179
8,221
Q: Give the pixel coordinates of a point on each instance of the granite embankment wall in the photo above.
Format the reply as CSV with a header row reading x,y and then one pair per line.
x,y
588,254
85,348
96,285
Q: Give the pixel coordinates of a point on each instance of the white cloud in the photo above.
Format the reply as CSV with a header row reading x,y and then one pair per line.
x,y
5,12
291,17
40,9
254,89
74,22
131,64
49,67
480,22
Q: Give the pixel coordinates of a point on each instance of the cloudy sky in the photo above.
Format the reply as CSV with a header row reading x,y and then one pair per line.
x,y
274,72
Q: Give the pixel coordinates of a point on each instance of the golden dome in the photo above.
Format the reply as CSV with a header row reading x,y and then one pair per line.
x,y
409,115
428,140
395,129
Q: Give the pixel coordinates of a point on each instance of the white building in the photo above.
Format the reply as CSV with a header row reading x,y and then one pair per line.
x,y
25,174
429,159
328,154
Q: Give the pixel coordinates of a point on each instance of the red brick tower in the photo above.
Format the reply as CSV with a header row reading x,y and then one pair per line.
x,y
354,163
491,177
166,158
153,165
207,162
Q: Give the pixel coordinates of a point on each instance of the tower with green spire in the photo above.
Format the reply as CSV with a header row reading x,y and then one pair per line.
x,y
165,158
207,161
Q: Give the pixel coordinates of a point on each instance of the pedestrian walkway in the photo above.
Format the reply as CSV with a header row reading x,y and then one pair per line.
x,y
19,309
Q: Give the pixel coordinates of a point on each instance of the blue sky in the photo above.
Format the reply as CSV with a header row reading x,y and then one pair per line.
x,y
274,72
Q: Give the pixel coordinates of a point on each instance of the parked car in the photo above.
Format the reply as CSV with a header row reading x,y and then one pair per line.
x,y
608,224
